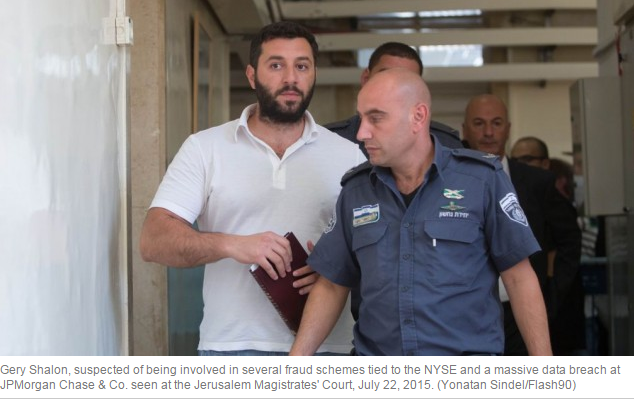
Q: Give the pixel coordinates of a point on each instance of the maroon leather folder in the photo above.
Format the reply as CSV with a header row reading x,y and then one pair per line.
x,y
284,297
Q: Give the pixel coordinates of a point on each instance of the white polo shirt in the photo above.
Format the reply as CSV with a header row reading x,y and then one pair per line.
x,y
232,182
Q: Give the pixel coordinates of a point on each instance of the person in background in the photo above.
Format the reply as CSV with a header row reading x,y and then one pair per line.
x,y
564,178
247,183
423,231
531,151
568,324
390,55
551,217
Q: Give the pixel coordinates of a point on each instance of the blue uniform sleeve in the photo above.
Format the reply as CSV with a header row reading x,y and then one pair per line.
x,y
509,235
332,256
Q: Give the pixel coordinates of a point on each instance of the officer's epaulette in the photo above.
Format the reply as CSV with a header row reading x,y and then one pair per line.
x,y
338,124
438,127
482,157
365,166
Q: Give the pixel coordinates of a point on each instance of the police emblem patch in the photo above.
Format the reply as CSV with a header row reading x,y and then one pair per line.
x,y
366,214
452,206
453,194
511,207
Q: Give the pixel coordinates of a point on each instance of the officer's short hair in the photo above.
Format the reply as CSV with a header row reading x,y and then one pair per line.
x,y
397,49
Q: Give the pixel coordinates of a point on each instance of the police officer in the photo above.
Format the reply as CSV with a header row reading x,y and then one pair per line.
x,y
390,55
424,231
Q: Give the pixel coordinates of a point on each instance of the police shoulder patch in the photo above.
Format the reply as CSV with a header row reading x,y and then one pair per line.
x,y
511,207
332,222
365,166
485,158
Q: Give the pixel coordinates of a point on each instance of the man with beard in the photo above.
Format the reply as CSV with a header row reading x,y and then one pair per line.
x,y
246,183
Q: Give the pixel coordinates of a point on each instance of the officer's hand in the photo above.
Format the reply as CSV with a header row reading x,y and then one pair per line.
x,y
306,283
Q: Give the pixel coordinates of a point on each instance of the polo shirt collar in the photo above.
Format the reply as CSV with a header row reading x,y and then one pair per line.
x,y
309,134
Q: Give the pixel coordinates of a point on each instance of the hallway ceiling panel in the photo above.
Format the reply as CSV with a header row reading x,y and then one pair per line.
x,y
521,40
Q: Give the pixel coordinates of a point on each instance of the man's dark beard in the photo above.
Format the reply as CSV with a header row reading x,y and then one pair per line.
x,y
273,111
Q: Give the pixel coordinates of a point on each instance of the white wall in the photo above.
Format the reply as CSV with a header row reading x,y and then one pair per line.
x,y
62,175
542,112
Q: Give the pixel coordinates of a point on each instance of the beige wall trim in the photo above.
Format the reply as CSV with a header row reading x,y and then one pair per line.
x,y
149,335
245,16
340,9
485,37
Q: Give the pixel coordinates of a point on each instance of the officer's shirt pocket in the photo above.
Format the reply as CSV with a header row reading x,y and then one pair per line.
x,y
369,244
455,254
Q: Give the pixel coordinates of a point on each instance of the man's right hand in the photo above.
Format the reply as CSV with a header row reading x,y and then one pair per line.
x,y
269,250
170,240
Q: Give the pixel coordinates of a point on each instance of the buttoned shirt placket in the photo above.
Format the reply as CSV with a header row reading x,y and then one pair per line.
x,y
406,265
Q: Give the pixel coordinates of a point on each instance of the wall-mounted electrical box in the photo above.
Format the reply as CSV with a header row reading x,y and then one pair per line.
x,y
597,138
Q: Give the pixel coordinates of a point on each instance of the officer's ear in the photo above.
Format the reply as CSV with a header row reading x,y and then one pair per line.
x,y
420,115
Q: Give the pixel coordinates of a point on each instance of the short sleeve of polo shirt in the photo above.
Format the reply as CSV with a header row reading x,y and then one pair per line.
x,y
509,235
332,256
182,190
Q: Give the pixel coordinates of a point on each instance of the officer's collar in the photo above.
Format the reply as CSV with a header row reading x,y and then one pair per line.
x,y
441,158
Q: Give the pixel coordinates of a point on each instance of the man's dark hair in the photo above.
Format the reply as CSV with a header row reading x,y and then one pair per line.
x,y
541,145
397,49
276,30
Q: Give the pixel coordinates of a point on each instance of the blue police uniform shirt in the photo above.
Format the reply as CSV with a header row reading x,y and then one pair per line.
x,y
428,272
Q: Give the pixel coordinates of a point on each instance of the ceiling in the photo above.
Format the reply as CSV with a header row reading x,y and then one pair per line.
x,y
535,40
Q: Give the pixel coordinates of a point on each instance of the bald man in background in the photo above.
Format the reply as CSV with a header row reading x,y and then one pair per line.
x,y
487,128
